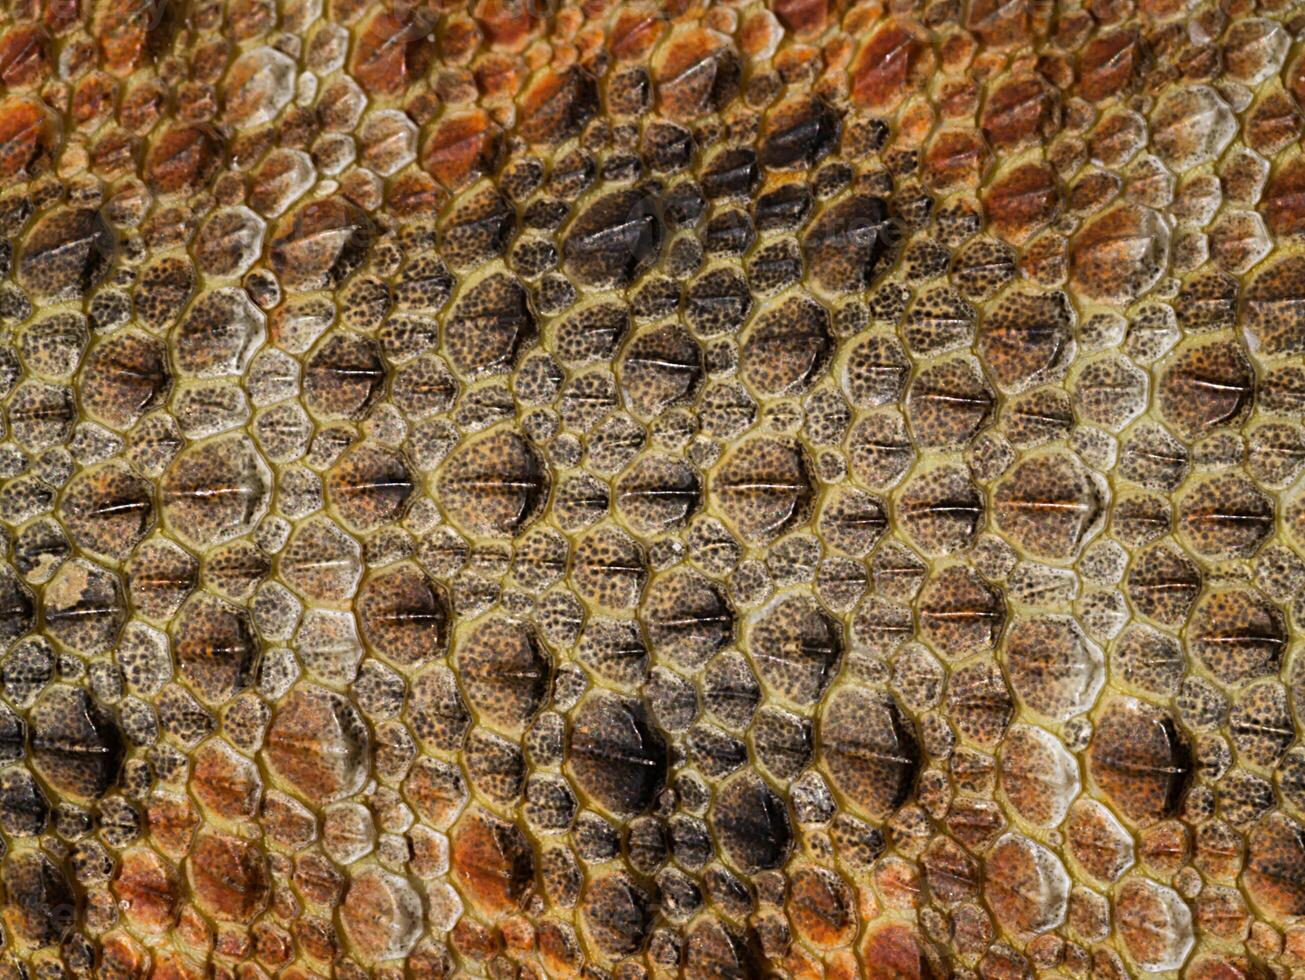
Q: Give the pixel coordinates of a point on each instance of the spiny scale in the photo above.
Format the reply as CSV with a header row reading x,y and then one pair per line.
x,y
788,488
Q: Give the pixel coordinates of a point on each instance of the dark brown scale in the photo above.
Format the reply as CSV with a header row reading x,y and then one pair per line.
x,y
125,376
1163,584
1149,660
1037,417
730,690
783,209
614,240
488,325
215,491
661,367
731,173
718,301
216,647
941,510
84,607
1047,505
365,302
951,874
228,877
17,606
876,371
24,810
615,755
617,914
320,244
42,415
751,824
494,485
593,333
108,511
938,321
1153,458
686,617
796,647
948,403
67,254
75,746
609,568
321,562
505,671
1260,725
775,267
1206,386
1139,760
961,614
1225,517
1120,254
698,73
869,750
849,244
404,615
658,493
40,548
1025,336
729,233
827,417
898,571
881,449
799,134
370,486
477,229
41,903
1238,635
763,487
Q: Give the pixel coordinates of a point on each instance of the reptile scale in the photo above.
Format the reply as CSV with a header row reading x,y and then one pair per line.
x,y
770,488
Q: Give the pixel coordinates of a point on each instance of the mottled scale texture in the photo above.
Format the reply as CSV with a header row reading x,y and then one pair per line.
x,y
706,489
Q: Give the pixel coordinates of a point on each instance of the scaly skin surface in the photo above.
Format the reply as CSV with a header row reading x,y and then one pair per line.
x,y
566,488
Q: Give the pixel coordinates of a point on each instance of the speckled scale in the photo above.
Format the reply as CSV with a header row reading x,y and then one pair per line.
x,y
623,491
763,486
869,748
495,484
616,755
